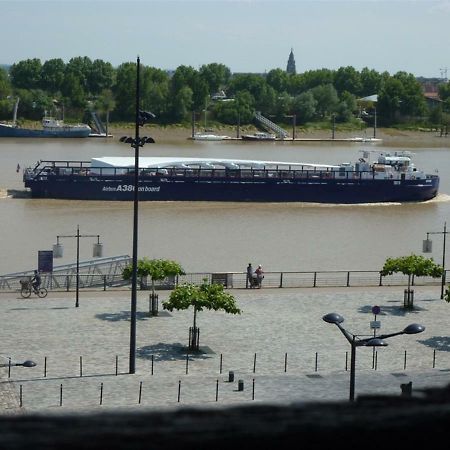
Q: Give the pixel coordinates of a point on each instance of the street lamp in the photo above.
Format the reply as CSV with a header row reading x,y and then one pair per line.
x,y
356,341
427,248
141,118
96,253
27,363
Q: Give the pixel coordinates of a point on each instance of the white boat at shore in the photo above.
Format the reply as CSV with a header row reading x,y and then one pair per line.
x,y
209,137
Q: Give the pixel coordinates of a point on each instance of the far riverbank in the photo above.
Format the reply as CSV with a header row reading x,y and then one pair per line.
x,y
390,136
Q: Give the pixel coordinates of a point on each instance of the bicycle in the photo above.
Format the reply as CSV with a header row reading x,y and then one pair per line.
x,y
27,289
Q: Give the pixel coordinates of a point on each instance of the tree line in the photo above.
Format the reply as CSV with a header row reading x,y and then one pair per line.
x,y
312,96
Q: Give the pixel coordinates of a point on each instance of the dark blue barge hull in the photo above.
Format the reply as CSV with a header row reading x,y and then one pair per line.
x,y
156,188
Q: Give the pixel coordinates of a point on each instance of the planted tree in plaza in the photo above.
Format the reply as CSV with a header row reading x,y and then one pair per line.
x,y
412,265
157,270
205,296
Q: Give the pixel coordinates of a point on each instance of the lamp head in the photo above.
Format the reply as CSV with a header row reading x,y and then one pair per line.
x,y
414,328
28,363
334,318
376,342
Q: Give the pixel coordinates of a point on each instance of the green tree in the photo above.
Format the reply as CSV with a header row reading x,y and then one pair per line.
x,y
412,265
326,98
348,79
370,82
155,92
73,91
389,100
52,76
215,75
278,79
99,76
304,107
26,74
125,91
205,296
182,104
157,269
80,67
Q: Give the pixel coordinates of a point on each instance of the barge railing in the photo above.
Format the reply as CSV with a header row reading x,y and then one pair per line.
x,y
46,169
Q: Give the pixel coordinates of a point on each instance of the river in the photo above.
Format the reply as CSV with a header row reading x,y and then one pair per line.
x,y
207,237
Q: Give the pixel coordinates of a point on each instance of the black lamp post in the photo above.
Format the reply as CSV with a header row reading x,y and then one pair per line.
x,y
97,252
427,248
141,118
356,341
28,363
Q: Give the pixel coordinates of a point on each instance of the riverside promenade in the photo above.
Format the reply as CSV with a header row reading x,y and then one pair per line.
x,y
279,350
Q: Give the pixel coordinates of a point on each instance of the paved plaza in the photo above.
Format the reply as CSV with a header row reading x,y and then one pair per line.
x,y
279,350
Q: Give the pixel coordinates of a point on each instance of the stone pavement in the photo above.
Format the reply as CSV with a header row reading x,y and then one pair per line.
x,y
279,347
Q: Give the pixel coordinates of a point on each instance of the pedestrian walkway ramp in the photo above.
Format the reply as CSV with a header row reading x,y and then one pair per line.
x,y
99,272
270,126
97,124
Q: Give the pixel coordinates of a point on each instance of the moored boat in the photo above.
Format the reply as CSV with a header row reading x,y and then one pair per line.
x,y
391,178
209,137
51,127
258,136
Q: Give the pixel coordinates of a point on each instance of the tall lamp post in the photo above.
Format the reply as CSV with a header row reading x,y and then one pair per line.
x,y
141,118
356,341
427,248
96,253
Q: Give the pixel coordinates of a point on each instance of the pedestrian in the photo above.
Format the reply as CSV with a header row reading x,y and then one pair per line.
x,y
249,275
259,275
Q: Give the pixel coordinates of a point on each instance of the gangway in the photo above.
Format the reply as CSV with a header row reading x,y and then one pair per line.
x,y
92,273
97,125
270,126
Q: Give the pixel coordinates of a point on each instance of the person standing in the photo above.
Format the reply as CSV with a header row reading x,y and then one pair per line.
x,y
259,275
249,275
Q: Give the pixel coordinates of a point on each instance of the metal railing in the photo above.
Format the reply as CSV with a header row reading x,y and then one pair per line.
x,y
59,281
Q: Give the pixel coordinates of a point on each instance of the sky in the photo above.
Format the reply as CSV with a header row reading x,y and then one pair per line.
x,y
246,35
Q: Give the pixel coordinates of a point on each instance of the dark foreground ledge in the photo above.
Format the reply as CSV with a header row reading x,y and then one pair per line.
x,y
369,423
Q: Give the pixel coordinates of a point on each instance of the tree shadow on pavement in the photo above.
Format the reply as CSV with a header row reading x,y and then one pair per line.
x,y
122,315
392,310
441,343
171,352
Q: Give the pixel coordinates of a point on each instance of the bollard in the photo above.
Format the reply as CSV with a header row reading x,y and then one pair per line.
x,y
220,364
140,393
217,390
45,367
230,376
117,364
406,389
240,385
153,359
60,395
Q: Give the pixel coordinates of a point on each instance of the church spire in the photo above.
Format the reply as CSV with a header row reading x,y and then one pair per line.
x,y
291,63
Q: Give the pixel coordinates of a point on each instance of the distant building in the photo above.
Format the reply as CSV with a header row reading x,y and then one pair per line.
x,y
291,63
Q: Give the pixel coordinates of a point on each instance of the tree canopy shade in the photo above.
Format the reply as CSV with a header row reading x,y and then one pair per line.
x,y
157,269
412,265
205,296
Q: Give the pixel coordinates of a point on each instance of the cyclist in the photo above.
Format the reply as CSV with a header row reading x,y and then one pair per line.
x,y
36,281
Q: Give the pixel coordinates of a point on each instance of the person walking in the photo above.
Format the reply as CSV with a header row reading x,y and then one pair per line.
x,y
259,275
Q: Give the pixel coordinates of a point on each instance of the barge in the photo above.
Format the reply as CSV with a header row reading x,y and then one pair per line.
x,y
391,178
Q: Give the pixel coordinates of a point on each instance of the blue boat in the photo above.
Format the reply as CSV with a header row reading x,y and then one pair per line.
x,y
51,127
391,178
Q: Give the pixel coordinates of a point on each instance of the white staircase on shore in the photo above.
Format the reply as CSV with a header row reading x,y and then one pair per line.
x,y
271,126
